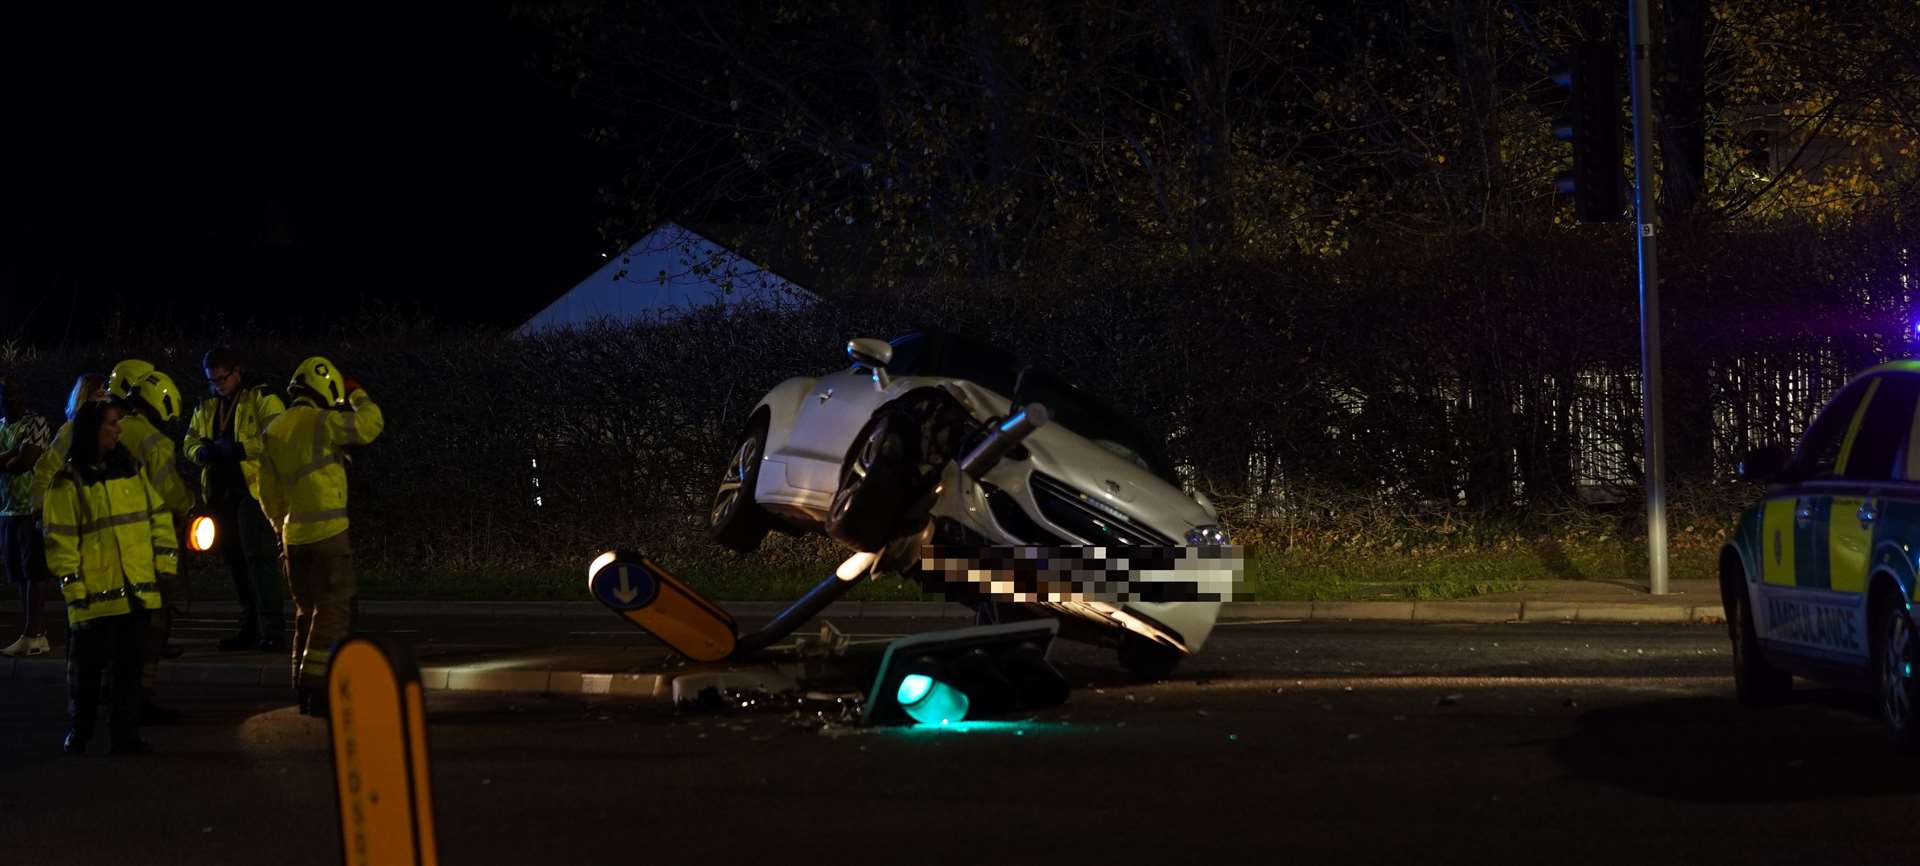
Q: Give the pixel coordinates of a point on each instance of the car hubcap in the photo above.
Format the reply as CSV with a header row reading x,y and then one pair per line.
x,y
850,481
855,473
1894,672
733,480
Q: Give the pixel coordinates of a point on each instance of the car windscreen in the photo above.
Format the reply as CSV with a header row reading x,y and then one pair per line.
x,y
951,357
947,355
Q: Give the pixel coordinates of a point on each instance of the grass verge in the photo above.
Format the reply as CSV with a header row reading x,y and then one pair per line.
x,y
1270,576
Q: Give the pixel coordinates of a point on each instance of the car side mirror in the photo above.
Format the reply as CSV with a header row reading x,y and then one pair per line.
x,y
1766,463
870,353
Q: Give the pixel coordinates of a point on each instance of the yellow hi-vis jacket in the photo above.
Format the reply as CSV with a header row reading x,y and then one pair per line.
x,y
303,474
50,463
108,539
253,410
156,452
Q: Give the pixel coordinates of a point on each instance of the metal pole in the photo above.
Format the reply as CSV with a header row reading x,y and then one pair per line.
x,y
1643,210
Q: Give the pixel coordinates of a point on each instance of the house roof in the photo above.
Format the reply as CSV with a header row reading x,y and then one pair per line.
x,y
671,270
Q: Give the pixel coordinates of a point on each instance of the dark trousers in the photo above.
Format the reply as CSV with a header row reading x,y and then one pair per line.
x,y
94,647
174,592
321,574
252,552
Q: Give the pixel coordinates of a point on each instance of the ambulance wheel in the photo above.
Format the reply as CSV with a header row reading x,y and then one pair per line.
x,y
1894,658
878,482
1756,682
1148,660
735,521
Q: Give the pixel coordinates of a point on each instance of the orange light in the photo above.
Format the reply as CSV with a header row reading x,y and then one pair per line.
x,y
201,533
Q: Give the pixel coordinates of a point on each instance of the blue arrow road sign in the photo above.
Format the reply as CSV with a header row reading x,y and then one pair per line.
x,y
625,586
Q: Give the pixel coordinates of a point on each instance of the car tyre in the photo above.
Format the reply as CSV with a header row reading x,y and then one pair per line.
x,y
879,480
734,520
1894,652
1148,660
1756,681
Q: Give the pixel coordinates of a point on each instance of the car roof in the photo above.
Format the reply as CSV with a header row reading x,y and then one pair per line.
x,y
1904,365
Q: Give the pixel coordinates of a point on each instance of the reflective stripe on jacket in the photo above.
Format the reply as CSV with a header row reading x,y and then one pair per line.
x,y
107,539
303,477
155,451
253,410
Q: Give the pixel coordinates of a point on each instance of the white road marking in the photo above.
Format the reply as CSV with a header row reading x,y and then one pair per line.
x,y
1430,682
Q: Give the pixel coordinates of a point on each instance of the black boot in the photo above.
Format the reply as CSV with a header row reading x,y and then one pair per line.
x,y
313,701
83,706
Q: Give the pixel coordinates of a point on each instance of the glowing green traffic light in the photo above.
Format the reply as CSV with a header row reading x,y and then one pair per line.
x,y
914,688
931,702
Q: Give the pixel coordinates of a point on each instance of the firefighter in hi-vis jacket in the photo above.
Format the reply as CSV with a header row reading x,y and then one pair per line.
x,y
303,488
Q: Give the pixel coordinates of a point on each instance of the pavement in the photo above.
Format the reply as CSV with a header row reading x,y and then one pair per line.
x,y
567,648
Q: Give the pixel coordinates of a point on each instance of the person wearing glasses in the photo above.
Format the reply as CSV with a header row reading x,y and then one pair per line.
x,y
224,438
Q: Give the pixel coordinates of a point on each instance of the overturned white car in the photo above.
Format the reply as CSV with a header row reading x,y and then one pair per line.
x,y
866,451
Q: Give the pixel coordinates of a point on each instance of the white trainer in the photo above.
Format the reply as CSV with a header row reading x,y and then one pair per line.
x,y
27,646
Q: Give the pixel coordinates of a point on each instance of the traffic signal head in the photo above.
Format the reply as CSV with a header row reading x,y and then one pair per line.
x,y
1592,123
969,673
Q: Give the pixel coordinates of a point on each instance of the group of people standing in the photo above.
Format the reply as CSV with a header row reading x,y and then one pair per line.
x,y
101,508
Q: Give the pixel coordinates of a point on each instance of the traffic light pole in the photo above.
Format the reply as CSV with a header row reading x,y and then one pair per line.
x,y
1643,209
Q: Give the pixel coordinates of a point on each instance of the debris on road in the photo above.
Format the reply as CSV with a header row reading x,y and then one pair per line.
x,y
705,691
829,643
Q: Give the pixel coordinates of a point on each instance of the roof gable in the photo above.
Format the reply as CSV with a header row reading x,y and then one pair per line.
x,y
671,270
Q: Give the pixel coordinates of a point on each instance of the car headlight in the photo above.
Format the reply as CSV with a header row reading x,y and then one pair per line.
x,y
1207,536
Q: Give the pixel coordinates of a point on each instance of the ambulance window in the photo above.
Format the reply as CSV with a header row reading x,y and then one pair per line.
x,y
1820,449
1882,438
1908,461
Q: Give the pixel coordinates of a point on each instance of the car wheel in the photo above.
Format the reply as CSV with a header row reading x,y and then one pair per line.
x,y
1148,660
1894,652
735,521
879,479
1755,681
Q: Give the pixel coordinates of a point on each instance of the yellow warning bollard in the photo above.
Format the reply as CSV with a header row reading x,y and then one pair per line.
x,y
377,723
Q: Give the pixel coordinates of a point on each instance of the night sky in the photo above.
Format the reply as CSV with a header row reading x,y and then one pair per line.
x,y
287,163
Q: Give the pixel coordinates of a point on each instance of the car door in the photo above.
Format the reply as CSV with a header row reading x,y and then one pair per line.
x,y
832,414
1845,467
1872,463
